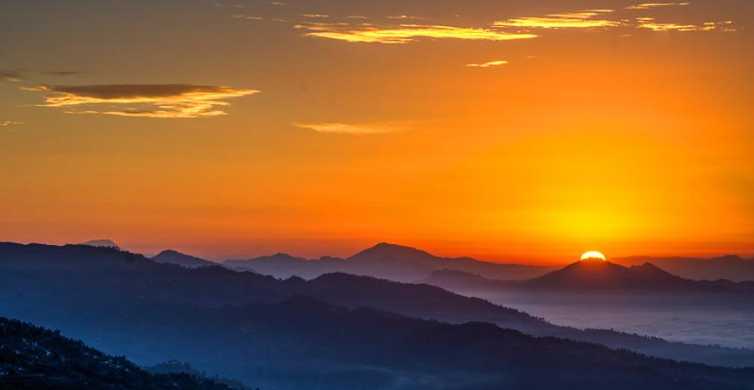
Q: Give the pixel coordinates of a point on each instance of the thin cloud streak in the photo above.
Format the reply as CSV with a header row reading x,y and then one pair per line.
x,y
247,17
406,33
488,64
646,6
352,129
11,76
573,20
651,24
168,101
10,123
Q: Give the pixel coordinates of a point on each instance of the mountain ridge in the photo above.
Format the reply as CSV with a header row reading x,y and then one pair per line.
x,y
595,276
383,260
30,286
731,267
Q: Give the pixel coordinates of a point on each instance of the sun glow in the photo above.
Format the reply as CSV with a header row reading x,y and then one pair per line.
x,y
593,255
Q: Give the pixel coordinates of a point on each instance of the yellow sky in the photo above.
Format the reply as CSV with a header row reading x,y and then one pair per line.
x,y
509,132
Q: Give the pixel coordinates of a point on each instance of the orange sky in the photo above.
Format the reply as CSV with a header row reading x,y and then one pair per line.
x,y
506,131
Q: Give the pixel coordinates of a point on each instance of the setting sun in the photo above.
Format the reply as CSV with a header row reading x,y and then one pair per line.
x,y
593,255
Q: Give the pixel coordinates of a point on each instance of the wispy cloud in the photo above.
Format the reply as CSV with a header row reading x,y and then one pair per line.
x,y
61,73
404,17
26,75
11,76
10,123
581,19
646,6
651,24
488,64
148,100
247,17
353,129
406,33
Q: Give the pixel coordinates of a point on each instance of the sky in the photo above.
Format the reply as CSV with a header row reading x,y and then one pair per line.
x,y
507,130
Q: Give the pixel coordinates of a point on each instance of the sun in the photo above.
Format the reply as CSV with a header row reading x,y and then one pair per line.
x,y
593,255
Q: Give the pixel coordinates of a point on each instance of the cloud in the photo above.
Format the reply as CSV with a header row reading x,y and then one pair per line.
x,y
646,6
10,123
580,19
404,17
18,76
247,17
405,33
61,73
343,128
11,76
316,16
488,64
147,100
651,24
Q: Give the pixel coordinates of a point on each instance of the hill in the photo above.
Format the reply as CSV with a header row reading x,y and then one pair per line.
x,y
35,358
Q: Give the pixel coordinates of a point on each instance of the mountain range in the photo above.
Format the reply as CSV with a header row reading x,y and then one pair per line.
x,y
406,264
387,261
730,267
125,303
594,276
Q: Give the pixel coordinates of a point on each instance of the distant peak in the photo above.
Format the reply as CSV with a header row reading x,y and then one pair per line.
x,y
330,258
386,247
648,267
172,256
389,245
281,256
167,252
730,257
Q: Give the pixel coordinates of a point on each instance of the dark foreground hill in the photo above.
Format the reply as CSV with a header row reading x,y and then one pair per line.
x,y
94,293
36,358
